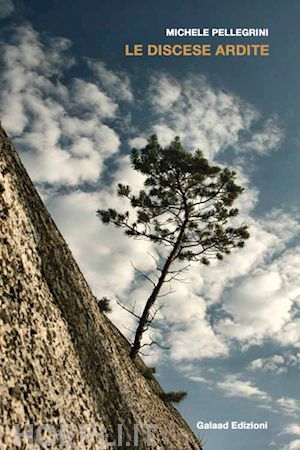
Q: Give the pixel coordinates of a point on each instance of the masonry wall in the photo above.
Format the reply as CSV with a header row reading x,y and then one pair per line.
x,y
62,361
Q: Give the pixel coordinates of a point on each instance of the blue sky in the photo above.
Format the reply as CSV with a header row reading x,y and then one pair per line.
x,y
74,105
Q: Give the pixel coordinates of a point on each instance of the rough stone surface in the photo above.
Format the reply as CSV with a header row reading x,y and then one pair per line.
x,y
61,360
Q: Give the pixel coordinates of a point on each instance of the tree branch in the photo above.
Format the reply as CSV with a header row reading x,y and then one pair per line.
x,y
142,274
127,309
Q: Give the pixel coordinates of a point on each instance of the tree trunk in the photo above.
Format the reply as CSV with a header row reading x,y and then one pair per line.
x,y
151,300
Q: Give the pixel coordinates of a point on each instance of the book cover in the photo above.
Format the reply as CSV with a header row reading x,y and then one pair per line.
x,y
163,138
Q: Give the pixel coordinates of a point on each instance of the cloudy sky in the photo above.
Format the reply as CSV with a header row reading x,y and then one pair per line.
x,y
74,106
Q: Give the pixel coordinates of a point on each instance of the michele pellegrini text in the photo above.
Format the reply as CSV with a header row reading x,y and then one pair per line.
x,y
218,32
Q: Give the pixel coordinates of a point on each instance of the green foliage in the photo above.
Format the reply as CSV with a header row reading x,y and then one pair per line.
x,y
173,397
104,304
186,204
149,373
185,199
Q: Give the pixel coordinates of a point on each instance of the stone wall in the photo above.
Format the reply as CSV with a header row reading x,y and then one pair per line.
x,y
62,361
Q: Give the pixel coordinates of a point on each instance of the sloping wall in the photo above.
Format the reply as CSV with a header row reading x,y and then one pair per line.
x,y
62,361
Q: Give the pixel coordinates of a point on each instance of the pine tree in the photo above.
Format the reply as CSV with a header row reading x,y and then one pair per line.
x,y
186,206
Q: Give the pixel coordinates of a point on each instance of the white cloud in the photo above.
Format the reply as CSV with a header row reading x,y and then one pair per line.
x,y
125,174
293,445
290,334
234,387
293,359
222,275
261,305
208,118
284,225
293,428
199,379
257,307
274,364
138,142
117,84
189,327
88,96
277,364
60,131
164,92
289,406
265,140
7,7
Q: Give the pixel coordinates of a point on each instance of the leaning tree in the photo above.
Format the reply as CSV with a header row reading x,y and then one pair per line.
x,y
186,206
